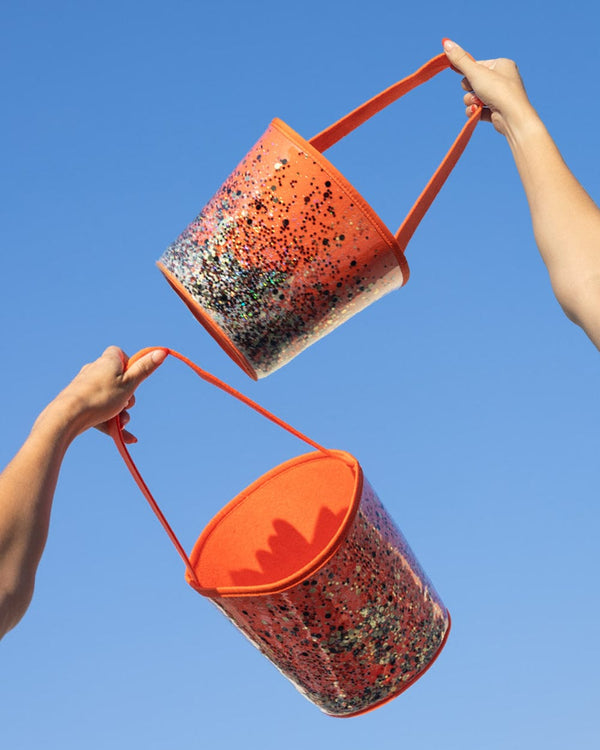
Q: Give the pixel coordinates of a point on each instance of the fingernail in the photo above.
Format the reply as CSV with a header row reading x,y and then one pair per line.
x,y
472,109
447,44
159,356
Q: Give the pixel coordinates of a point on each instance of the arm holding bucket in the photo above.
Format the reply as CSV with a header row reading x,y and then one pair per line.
x,y
566,221
98,393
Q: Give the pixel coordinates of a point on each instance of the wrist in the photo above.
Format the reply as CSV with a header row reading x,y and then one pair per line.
x,y
60,421
521,125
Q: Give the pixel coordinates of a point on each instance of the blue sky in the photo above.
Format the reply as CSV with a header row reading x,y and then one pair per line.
x,y
470,400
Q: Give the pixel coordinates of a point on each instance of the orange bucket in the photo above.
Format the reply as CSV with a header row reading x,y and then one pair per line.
x,y
307,563
287,249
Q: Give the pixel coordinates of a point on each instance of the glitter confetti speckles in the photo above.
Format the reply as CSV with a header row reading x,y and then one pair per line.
x,y
282,254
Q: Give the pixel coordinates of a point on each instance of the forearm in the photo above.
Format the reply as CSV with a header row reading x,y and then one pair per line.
x,y
27,488
102,390
566,222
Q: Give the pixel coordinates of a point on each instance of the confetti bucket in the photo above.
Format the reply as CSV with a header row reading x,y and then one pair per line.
x,y
287,249
309,566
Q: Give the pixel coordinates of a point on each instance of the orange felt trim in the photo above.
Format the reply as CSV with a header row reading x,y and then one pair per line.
x,y
218,544
116,432
354,196
209,324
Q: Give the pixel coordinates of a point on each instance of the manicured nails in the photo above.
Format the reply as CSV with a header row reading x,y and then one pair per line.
x,y
447,43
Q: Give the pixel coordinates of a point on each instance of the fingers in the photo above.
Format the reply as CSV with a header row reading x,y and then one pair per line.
x,y
471,98
486,116
108,387
128,438
458,57
144,367
139,370
116,357
124,418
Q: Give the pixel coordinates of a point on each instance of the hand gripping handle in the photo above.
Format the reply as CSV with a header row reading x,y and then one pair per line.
x,y
347,124
116,432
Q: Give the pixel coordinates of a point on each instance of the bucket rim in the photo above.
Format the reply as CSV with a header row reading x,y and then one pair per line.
x,y
307,570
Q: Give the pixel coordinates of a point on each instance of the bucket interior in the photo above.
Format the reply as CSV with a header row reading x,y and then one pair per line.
x,y
284,525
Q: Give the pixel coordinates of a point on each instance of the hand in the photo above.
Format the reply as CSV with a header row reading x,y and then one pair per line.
x,y
103,389
496,84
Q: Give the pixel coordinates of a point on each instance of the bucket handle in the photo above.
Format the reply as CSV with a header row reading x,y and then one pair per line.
x,y
326,138
116,432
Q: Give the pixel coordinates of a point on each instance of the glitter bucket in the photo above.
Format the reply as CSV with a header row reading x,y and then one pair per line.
x,y
287,249
307,563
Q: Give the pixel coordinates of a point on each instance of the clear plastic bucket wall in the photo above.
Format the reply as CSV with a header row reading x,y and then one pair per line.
x,y
284,252
332,593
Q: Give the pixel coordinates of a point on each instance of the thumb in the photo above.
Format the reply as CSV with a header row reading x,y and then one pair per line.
x,y
461,60
144,367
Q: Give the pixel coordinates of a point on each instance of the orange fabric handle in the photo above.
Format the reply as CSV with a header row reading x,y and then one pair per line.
x,y
351,121
433,187
116,432
326,138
